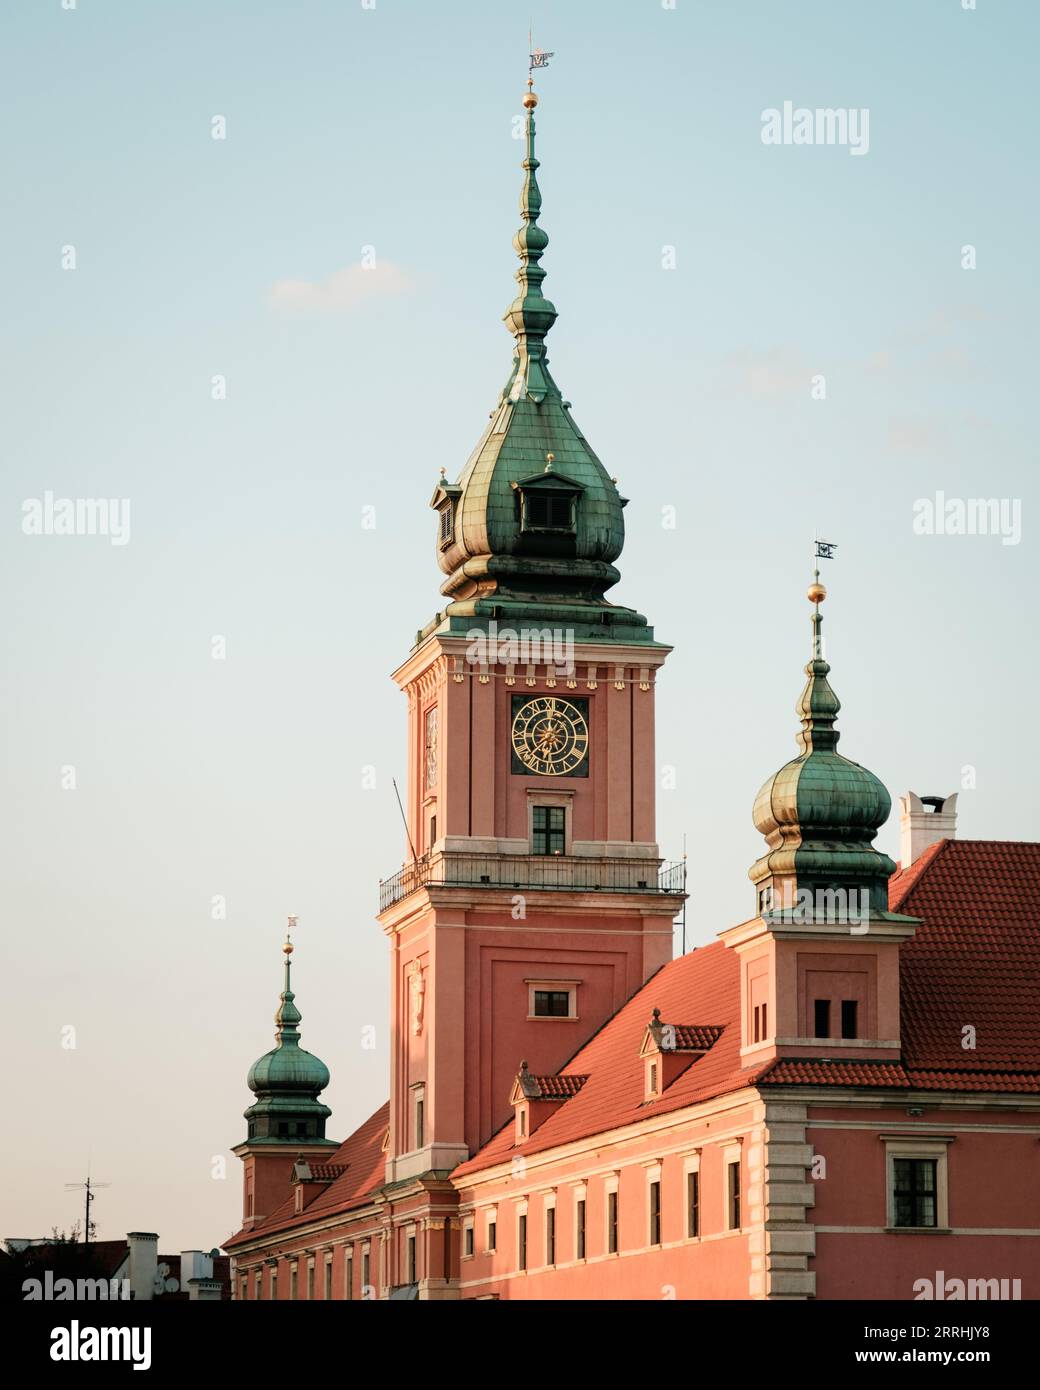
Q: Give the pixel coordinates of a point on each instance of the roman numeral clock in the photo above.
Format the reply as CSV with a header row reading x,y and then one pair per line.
x,y
550,736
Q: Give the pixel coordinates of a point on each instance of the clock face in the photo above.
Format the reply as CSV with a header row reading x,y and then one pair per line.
x,y
550,736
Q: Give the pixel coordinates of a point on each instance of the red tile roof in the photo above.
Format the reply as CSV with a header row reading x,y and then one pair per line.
x,y
325,1172
559,1087
695,1037
975,963
363,1164
975,960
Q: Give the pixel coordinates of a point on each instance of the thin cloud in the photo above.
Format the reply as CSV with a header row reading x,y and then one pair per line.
x,y
343,291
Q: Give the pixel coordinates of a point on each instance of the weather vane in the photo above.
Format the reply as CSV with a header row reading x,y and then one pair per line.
x,y
290,928
537,58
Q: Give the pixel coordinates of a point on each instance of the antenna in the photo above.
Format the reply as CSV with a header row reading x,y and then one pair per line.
x,y
404,818
89,1186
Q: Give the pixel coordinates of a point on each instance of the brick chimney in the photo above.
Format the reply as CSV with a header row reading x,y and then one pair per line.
x,y
924,821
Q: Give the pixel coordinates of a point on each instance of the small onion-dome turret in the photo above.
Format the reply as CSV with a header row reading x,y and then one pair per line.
x,y
287,1080
821,812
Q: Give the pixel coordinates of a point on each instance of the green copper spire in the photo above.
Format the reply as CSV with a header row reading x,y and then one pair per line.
x,y
821,812
531,315
287,1080
529,533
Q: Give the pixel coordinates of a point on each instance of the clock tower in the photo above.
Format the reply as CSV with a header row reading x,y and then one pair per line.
x,y
533,901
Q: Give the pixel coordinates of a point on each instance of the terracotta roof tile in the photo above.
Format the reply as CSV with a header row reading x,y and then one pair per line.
x,y
696,1037
559,1087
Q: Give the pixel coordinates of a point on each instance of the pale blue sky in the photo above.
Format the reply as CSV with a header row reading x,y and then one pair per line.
x,y
392,128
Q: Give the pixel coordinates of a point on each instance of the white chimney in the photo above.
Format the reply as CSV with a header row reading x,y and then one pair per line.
x,y
144,1259
924,821
195,1264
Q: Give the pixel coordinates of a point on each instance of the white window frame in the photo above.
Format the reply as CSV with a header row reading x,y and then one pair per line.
x,y
490,1216
611,1185
469,1238
653,1174
692,1164
549,1205
558,987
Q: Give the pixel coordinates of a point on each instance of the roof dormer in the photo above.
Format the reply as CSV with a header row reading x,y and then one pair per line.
x,y
669,1049
535,1098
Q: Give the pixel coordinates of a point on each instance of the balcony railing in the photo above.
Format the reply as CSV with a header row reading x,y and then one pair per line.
x,y
531,871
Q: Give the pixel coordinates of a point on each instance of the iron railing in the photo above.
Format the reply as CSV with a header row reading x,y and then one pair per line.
x,y
531,871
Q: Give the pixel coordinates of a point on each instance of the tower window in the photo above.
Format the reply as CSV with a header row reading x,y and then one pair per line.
x,y
447,522
547,511
579,1229
552,1003
822,1018
612,1223
548,829
411,1260
467,1240
492,1237
655,1213
848,1018
550,1236
521,1242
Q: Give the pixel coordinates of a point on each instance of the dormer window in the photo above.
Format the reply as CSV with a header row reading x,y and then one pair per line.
x,y
547,504
445,502
547,511
447,515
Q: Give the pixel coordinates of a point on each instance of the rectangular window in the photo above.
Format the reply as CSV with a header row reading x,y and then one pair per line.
x,y
348,1276
258,1286
467,1240
848,1018
757,1030
521,1243
366,1272
765,1022
447,522
521,1122
579,1229
420,1127
655,1213
550,1236
410,1247
612,1223
734,1195
244,1289
915,1191
548,511
274,1284
822,1018
552,1003
693,1204
328,1280
492,1239
653,1078
293,1280
548,829
310,1281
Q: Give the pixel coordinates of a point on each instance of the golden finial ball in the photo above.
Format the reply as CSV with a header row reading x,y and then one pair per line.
x,y
288,948
530,100
817,593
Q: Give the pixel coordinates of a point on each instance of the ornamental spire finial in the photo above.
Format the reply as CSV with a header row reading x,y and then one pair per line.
x,y
818,706
531,315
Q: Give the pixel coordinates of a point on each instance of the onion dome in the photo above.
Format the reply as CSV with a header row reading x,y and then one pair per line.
x,y
821,812
287,1080
534,524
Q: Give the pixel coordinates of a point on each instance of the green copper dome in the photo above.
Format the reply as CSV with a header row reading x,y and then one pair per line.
x,y
532,527
287,1081
821,812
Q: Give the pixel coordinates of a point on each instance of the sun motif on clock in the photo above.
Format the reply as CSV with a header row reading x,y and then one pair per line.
x,y
550,736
